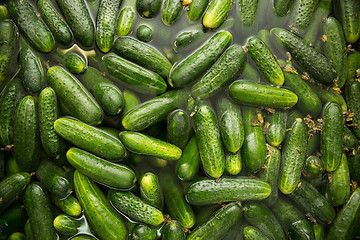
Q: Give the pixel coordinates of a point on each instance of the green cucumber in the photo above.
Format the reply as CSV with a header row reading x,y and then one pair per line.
x,y
148,8
233,163
171,11
319,231
247,10
12,220
125,21
276,130
143,54
225,71
150,190
189,37
30,25
134,76
208,139
253,233
353,66
53,144
351,92
74,96
131,101
302,13
69,205
8,39
108,95
28,230
55,22
103,218
38,208
332,136
26,134
66,225
10,97
313,170
282,7
144,33
75,63
173,230
17,236
84,237
90,138
199,61
188,165
218,224
196,9
293,156
354,163
144,232
209,191
11,166
154,110
216,14
135,208
347,12
350,140
4,12
77,16
178,128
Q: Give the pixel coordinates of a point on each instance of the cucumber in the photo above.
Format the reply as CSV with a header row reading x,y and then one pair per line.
x,y
282,7
189,163
38,208
293,156
74,96
4,13
144,144
313,170
143,54
26,134
247,10
148,8
209,191
30,25
75,63
347,12
353,66
10,97
327,95
83,237
150,190
144,232
275,133
196,9
11,166
108,95
134,76
131,101
350,140
189,37
354,163
12,220
253,151
69,205
208,139
90,138
144,33
199,61
17,236
319,231
225,71
154,110
28,230
218,224
125,21
8,39
178,128
171,11
332,136
312,61
302,13
265,61
351,91
252,233
173,230
216,14
66,225
77,16
55,22
233,163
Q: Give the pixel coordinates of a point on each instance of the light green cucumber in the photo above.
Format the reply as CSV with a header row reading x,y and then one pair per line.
x,y
216,14
171,11
125,21
196,9
65,225
150,190
233,163
276,129
347,12
188,165
69,205
75,63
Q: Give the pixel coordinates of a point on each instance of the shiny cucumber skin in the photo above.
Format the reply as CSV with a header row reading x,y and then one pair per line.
x,y
144,33
352,90
134,76
225,70
253,233
12,220
11,188
247,11
353,64
69,205
144,232
75,63
173,230
9,37
105,23
313,170
10,97
189,163
302,13
103,218
332,136
100,170
209,140
327,95
199,61
233,163
125,21
144,144
154,110
77,16
216,14
31,26
143,54
38,208
131,101
350,140
196,9
90,138
276,131
171,11
282,7
150,190
208,191
347,11
55,22
293,156
148,8
75,97
259,95
135,208
218,224
311,60
26,134
53,144
178,128
66,225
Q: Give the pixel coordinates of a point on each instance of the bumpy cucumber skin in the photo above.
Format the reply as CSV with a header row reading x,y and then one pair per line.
x,y
125,21
150,190
248,10
233,164
347,11
178,128
282,7
144,33
74,62
216,14
313,170
275,133
173,230
353,64
171,11
74,96
103,218
66,225
302,13
196,9
189,163
351,92
69,205
144,232
9,38
148,8
350,140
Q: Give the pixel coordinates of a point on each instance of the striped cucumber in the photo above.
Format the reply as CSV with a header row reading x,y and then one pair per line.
x,y
9,39
150,190
144,33
189,163
347,11
216,14
196,9
178,128
302,13
276,130
66,225
253,233
75,63
69,205
173,230
148,8
125,21
171,11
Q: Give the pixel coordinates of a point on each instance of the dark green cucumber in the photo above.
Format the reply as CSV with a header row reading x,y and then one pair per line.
x,y
144,232
143,54
332,136
350,140
216,14
108,95
293,156
90,138
12,220
154,110
55,22
38,208
148,8
103,218
74,96
66,225
171,11
347,12
11,166
313,170
77,16
233,163
26,134
144,33
282,7
69,205
75,63
259,95
53,144
225,71
30,25
188,165
275,132
178,128
351,92
196,9
28,230
247,11
208,139
8,39
353,66
302,13
173,230
199,61
218,224
125,21
354,166
150,190
312,61
209,191
253,233
10,97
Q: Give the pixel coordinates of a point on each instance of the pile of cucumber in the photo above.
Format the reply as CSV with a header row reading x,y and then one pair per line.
x,y
179,119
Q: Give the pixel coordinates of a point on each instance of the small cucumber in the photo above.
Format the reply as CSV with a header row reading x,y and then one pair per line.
x,y
216,14
144,33
196,9
173,230
353,66
351,91
125,21
350,140
171,11
247,11
347,12
178,128
75,63
69,205
188,165
313,170
233,163
148,8
302,13
144,232
276,130
17,236
8,39
282,7
66,225
12,220
253,233
150,190
319,231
